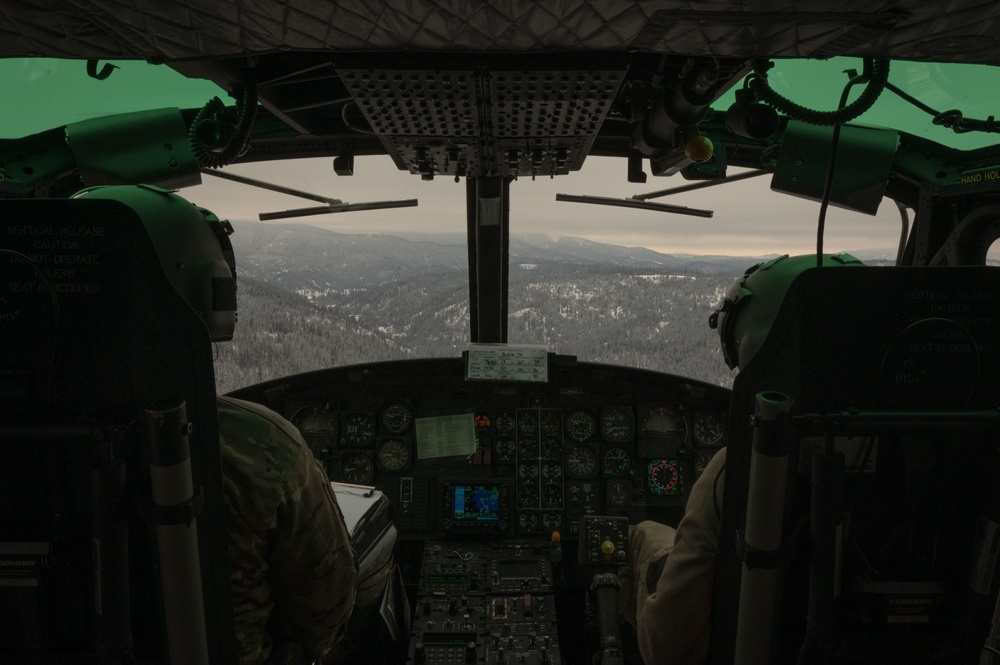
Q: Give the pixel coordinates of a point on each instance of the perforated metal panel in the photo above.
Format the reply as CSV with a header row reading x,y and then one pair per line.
x,y
482,122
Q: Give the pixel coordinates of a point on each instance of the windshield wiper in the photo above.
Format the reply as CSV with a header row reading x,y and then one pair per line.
x,y
332,205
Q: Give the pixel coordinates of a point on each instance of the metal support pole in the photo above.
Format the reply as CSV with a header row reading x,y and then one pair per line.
x,y
488,216
109,544
176,508
762,536
826,527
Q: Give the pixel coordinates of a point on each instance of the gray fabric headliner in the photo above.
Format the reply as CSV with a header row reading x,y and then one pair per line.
x,y
172,30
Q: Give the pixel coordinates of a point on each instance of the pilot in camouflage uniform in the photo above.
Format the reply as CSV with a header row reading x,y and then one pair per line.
x,y
289,550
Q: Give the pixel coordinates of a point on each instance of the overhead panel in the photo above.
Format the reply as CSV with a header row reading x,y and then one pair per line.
x,y
545,122
480,122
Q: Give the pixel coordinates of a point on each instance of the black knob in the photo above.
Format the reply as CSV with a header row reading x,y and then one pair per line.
x,y
470,652
419,654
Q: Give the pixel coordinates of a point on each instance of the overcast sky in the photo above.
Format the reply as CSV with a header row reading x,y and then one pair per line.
x,y
749,218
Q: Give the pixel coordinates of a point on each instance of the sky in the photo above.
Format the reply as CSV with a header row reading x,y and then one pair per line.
x,y
749,219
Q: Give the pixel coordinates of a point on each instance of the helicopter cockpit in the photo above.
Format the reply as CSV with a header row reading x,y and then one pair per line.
x,y
859,521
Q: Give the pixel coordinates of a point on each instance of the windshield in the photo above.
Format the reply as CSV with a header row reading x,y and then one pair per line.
x,y
613,285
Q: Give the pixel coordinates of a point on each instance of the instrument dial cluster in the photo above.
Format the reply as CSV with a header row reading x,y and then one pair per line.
x,y
592,440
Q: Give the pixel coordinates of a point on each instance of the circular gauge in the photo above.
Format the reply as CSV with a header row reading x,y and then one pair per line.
x,y
527,471
505,423
581,461
528,520
663,424
551,448
618,493
551,472
504,449
552,520
314,421
358,430
617,462
318,428
357,468
552,496
551,423
580,425
709,428
527,496
617,425
396,418
527,422
702,458
664,477
527,447
393,455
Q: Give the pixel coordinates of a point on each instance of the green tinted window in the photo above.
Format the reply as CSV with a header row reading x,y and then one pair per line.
x,y
972,89
42,93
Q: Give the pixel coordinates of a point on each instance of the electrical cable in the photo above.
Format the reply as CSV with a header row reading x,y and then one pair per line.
x,y
877,75
951,119
831,167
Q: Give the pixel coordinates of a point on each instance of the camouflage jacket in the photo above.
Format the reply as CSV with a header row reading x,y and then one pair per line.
x,y
292,567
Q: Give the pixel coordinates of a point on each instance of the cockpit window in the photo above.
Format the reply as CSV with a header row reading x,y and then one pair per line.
x,y
971,90
43,93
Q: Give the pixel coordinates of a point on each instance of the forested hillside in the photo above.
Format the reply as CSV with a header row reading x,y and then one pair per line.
x,y
310,299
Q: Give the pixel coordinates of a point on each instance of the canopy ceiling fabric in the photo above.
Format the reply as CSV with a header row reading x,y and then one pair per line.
x,y
178,30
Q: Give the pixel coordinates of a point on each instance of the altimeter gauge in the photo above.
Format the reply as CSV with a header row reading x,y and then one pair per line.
x,y
393,455
396,418
617,425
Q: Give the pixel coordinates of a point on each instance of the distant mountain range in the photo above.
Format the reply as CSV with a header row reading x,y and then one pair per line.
x,y
303,257
311,298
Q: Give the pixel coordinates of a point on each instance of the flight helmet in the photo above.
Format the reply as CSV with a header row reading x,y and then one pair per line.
x,y
752,301
193,246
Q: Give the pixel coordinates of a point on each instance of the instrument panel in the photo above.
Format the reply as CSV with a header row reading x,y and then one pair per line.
x,y
504,458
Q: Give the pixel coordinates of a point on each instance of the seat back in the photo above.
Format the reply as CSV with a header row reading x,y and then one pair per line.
x,y
898,369
91,335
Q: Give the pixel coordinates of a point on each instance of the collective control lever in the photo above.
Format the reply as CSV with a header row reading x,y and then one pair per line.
x,y
603,549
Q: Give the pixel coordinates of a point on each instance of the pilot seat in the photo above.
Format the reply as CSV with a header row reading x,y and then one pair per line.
x,y
113,544
861,513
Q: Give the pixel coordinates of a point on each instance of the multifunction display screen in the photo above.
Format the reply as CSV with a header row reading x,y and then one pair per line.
x,y
476,503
